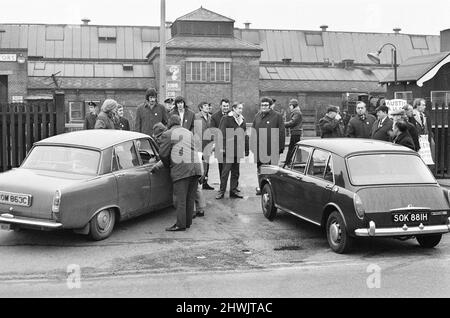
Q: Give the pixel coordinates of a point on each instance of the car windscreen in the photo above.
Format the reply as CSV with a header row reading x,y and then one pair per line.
x,y
63,159
377,169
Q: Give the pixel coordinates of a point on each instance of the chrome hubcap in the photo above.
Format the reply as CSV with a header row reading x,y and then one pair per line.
x,y
335,232
266,200
104,220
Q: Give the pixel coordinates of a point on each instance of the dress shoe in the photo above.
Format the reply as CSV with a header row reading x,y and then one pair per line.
x,y
200,214
258,191
207,187
194,215
237,190
174,228
236,196
219,196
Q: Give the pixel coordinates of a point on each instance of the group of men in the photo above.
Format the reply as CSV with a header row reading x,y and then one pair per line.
x,y
405,127
109,117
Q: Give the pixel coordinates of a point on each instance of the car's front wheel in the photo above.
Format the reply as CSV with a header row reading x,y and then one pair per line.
x,y
429,241
102,224
337,236
267,203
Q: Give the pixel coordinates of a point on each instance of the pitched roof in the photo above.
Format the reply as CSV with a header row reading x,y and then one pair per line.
x,y
211,43
319,86
419,68
203,14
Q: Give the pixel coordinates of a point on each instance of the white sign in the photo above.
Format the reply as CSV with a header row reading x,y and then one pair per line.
x,y
17,99
8,57
425,150
395,104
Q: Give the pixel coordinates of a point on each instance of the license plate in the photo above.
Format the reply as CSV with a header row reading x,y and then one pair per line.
x,y
5,227
15,198
410,217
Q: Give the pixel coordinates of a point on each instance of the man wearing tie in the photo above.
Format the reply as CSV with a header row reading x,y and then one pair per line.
x,y
383,125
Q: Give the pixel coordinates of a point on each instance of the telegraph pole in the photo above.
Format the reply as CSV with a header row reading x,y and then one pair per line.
x,y
162,53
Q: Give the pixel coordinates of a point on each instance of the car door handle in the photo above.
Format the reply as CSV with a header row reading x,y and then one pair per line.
x,y
329,187
298,177
120,175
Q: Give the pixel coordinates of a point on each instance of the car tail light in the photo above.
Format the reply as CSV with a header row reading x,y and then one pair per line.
x,y
56,202
359,207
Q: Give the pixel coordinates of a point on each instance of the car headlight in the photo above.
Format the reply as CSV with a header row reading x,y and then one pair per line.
x,y
56,201
359,207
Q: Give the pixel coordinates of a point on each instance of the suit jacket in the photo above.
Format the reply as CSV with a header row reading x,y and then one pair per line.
x,y
405,139
216,118
177,152
200,126
188,120
238,139
358,128
267,121
382,133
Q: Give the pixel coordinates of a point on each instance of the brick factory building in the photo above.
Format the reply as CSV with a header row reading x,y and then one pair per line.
x,y
208,58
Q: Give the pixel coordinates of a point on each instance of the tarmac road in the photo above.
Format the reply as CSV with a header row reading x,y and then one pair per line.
x,y
231,252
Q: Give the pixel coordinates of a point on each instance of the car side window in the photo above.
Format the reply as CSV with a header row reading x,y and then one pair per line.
x,y
328,175
146,151
125,156
318,163
300,159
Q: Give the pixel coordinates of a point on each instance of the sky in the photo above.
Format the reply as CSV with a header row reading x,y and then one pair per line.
x,y
412,16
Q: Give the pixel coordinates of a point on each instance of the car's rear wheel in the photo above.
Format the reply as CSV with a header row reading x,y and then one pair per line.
x,y
429,241
337,235
267,203
102,224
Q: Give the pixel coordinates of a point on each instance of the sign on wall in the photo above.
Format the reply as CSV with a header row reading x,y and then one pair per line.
x,y
8,57
173,81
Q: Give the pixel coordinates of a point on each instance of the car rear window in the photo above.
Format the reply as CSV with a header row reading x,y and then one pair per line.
x,y
376,169
63,159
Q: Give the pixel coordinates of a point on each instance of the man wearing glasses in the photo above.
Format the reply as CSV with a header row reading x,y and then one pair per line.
x,y
270,136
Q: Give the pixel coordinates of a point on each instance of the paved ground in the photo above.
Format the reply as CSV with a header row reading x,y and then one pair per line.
x,y
232,251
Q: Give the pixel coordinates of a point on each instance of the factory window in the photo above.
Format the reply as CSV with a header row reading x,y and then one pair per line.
x,y
220,71
76,111
314,39
196,71
440,99
408,96
419,42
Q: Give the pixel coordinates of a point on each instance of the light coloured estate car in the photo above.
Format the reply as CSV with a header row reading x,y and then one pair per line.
x,y
358,187
86,181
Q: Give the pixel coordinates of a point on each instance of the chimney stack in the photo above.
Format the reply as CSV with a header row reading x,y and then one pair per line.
x,y
85,21
397,30
247,25
324,27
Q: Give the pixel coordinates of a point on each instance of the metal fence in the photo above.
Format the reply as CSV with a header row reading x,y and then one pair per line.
x,y
440,119
23,124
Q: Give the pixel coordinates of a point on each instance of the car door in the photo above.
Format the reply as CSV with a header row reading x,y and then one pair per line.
x,y
133,181
291,188
320,180
160,192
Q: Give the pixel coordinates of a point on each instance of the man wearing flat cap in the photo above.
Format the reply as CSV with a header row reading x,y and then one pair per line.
x,y
295,125
150,113
329,124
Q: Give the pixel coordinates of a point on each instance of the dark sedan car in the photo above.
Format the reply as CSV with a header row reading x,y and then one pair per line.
x,y
85,181
358,187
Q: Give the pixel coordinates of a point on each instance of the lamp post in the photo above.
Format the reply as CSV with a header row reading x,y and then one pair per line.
x,y
375,57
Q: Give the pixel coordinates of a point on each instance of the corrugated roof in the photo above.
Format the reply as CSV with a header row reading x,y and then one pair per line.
x,y
92,83
319,86
211,43
416,67
72,69
135,42
320,73
279,44
203,14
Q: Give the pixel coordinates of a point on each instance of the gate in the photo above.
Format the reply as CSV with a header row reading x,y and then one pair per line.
x,y
23,124
440,119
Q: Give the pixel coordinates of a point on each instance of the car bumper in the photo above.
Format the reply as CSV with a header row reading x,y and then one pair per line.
x,y
372,231
29,222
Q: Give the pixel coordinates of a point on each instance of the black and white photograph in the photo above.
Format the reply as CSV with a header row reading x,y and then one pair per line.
x,y
224,155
